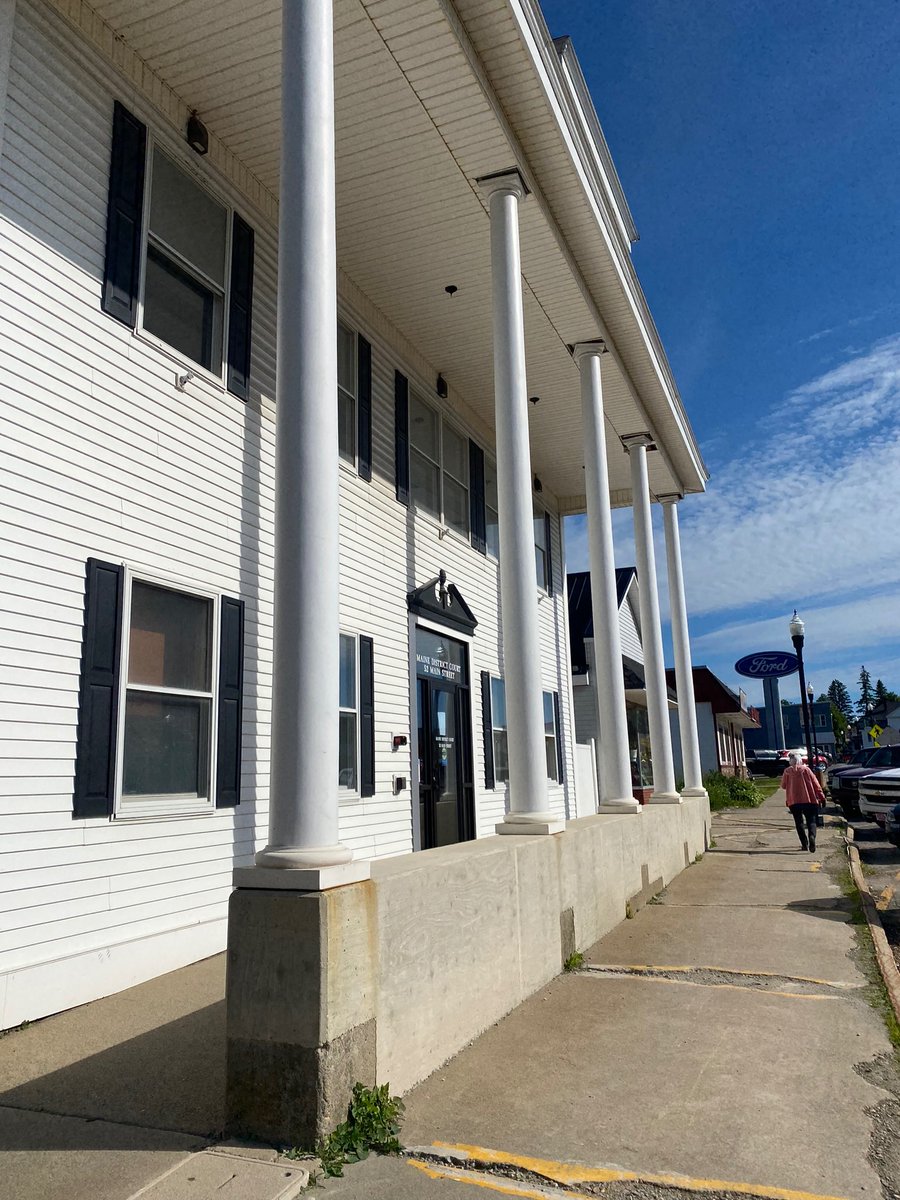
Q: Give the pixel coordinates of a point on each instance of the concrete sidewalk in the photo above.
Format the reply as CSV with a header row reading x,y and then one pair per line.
x,y
721,1037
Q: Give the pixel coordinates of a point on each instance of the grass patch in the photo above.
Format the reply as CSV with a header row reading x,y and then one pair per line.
x,y
875,992
574,961
728,791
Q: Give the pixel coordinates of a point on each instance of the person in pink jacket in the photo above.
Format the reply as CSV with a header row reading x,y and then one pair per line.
x,y
804,795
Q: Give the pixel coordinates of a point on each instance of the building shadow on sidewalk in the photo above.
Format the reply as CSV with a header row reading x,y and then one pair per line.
x,y
168,1080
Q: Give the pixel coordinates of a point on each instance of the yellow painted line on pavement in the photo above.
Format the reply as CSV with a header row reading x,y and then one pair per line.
x,y
724,970
885,898
574,1173
494,1185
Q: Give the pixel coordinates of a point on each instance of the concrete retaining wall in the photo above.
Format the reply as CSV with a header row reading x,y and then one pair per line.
x,y
429,953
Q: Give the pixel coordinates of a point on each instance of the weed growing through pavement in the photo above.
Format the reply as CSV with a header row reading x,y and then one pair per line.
x,y
713,843
574,961
15,1029
373,1123
697,857
629,911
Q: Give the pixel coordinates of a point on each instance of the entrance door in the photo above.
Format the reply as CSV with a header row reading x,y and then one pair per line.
x,y
446,791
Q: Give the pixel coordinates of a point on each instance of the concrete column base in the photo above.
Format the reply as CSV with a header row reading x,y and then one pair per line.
x,y
302,879
300,1010
540,826
665,798
619,806
698,791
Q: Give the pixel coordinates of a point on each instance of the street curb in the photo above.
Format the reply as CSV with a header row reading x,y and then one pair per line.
x,y
887,964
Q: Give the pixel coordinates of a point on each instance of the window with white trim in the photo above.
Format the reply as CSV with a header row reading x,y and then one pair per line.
x,y
551,735
491,509
347,385
167,717
348,745
498,730
185,264
541,549
438,466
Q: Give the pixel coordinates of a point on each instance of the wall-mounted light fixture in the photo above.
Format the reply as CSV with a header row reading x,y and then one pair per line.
x,y
534,399
181,381
441,387
538,486
197,134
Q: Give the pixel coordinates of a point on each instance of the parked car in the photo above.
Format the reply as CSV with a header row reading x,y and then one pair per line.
x,y
879,794
892,825
845,787
859,759
765,762
819,760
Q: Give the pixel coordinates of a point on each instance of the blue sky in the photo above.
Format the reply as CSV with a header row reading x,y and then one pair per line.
x,y
758,143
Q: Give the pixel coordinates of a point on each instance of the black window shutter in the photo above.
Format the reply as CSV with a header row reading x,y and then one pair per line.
x,y
364,407
121,272
548,538
477,515
230,703
98,709
559,745
366,717
487,729
401,436
240,307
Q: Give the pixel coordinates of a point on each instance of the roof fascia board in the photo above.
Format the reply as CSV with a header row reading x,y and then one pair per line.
x,y
546,61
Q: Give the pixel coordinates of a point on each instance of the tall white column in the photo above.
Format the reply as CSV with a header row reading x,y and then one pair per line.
x,y
615,764
664,791
528,805
681,643
303,806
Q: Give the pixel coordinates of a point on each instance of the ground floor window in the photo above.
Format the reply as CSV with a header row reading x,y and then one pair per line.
x,y
551,736
498,731
167,714
348,753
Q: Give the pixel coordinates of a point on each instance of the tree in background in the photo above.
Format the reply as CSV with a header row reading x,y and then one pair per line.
x,y
884,697
840,698
865,691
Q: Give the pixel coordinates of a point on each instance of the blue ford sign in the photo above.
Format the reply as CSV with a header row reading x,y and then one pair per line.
x,y
767,664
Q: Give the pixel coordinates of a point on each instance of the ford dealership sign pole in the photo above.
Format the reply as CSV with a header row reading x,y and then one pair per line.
x,y
770,665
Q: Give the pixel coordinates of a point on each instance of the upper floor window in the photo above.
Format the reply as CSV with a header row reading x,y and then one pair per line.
x,y
491,509
346,392
542,548
179,261
184,276
438,466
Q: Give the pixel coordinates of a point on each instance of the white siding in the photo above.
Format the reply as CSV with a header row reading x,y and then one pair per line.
x,y
628,627
102,457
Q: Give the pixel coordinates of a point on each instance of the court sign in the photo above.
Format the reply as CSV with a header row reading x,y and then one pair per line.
x,y
767,664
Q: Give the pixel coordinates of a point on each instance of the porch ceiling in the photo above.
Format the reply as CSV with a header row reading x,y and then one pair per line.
x,y
418,119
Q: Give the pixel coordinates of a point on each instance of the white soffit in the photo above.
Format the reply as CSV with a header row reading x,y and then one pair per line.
x,y
418,120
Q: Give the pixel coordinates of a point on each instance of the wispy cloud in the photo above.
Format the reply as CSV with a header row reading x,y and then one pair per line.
x,y
804,509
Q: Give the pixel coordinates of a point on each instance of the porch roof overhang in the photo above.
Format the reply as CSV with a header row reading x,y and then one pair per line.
x,y
430,96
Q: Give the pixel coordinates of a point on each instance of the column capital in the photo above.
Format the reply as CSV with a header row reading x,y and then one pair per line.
x,y
631,441
510,181
582,350
670,497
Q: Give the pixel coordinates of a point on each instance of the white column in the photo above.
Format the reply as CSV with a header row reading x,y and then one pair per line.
x,y
615,764
528,805
664,791
303,812
681,643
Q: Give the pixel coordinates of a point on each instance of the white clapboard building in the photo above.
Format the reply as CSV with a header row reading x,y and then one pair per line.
x,y
464,357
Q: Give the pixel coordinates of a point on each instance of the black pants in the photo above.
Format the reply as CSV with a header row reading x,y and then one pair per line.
x,y
805,819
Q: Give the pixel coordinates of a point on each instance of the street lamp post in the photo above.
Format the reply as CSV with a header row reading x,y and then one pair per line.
x,y
797,627
812,723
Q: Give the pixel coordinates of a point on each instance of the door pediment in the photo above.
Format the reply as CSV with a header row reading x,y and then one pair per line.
x,y
443,603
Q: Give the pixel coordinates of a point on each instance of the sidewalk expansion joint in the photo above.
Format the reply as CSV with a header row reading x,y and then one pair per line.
x,y
524,1176
801,986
